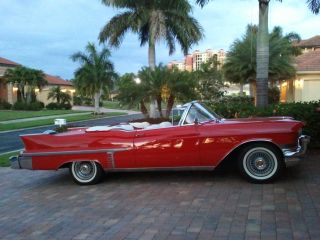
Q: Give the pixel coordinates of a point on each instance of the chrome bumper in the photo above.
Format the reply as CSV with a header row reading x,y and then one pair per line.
x,y
292,157
20,162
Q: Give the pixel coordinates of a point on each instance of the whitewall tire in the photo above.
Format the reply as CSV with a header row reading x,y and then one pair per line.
x,y
260,162
86,172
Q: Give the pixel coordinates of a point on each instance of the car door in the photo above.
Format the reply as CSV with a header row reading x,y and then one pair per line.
x,y
170,147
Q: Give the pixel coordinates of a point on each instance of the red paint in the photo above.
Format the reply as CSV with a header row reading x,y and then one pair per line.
x,y
204,144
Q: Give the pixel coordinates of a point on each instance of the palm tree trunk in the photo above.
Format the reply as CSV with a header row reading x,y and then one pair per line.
x,y
152,55
96,102
159,101
169,105
152,65
262,55
143,109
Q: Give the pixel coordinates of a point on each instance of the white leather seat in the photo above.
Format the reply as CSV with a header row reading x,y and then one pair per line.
x,y
125,127
160,125
140,124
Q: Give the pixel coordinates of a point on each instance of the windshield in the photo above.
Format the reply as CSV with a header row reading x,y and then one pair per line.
x,y
192,112
216,116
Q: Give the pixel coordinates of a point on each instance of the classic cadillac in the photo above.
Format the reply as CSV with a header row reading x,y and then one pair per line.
x,y
196,139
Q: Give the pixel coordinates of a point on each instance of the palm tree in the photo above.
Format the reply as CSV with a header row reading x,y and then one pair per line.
x,y
154,81
95,74
181,86
153,20
26,80
132,93
262,52
61,97
241,64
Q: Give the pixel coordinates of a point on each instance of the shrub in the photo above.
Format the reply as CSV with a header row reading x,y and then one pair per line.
x,y
77,100
302,111
52,106
234,106
5,105
66,106
57,106
88,101
34,106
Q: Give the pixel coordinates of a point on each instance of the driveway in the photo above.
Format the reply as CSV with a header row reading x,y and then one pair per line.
x,y
181,205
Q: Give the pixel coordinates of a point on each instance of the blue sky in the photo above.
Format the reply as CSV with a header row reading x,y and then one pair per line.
x,y
43,34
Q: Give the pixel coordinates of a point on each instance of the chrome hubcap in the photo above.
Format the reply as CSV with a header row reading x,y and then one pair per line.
x,y
260,163
84,170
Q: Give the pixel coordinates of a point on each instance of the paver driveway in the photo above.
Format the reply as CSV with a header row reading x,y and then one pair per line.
x,y
184,205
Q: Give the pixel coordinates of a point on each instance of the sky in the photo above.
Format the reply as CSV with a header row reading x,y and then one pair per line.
x,y
43,34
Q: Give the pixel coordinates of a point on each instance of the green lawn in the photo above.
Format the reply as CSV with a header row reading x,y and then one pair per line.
x,y
43,122
4,158
117,105
11,115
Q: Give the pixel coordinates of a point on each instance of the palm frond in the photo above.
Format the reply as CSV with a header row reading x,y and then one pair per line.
x,y
314,6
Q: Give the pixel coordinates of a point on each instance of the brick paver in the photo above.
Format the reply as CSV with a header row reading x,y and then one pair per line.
x,y
183,205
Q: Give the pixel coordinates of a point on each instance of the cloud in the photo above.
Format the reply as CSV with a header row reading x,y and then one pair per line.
x,y
43,34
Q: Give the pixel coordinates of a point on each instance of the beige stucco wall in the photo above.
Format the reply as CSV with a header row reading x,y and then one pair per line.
x,y
307,86
42,96
2,70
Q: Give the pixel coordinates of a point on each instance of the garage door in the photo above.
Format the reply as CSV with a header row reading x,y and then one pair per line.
x,y
311,90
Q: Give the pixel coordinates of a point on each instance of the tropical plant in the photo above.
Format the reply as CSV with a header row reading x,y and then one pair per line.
x,y
55,93
240,66
26,80
262,52
180,86
132,92
162,84
153,20
153,81
95,74
210,80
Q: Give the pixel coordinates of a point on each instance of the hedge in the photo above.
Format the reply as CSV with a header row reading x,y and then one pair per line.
x,y
308,112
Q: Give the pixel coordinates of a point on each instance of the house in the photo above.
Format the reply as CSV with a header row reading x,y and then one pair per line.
x,y
306,84
8,92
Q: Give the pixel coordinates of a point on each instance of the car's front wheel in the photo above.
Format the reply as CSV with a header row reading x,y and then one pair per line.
x,y
86,172
260,162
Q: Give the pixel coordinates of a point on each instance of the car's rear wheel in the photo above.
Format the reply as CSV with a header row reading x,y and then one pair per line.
x,y
86,172
260,162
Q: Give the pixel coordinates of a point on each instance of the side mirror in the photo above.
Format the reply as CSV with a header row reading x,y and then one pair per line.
x,y
196,121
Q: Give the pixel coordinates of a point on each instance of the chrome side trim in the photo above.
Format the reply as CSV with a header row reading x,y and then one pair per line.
x,y
291,158
191,168
110,160
112,150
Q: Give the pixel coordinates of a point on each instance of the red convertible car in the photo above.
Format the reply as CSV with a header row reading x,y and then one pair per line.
x,y
198,140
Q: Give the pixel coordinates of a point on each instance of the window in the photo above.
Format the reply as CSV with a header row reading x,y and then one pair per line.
x,y
195,113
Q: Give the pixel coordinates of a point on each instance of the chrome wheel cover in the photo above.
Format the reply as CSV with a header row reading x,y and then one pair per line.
x,y
84,171
260,163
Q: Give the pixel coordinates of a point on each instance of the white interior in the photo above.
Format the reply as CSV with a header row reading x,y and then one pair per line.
x,y
130,126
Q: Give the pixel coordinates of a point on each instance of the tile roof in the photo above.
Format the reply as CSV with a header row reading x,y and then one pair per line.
x,y
309,61
52,80
5,61
311,42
